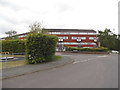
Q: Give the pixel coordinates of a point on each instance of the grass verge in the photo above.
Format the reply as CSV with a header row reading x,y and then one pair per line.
x,y
11,64
56,57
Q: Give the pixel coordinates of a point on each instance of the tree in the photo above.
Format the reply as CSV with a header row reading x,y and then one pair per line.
x,y
37,27
11,34
119,42
108,39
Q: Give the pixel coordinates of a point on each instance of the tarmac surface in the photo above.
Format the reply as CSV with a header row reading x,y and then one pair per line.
x,y
27,69
72,71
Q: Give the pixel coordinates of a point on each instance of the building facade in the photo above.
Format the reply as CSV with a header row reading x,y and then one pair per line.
x,y
82,38
76,37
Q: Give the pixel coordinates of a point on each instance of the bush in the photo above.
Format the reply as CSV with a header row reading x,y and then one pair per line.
x,y
100,49
40,48
13,46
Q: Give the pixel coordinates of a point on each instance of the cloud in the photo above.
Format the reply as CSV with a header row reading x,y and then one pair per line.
x,y
19,14
8,4
62,7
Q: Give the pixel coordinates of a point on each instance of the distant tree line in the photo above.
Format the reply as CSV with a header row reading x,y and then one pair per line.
x,y
108,39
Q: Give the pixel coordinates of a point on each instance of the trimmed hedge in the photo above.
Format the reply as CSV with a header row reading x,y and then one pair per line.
x,y
100,49
13,46
40,48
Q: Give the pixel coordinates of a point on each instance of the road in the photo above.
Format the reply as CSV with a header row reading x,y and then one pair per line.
x,y
88,71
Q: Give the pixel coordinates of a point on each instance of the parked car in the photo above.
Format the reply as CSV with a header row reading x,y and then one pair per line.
x,y
114,51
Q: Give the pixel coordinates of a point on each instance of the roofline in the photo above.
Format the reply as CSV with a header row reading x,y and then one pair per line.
x,y
75,30
70,29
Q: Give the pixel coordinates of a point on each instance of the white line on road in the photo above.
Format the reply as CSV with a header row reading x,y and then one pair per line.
x,y
76,62
81,61
103,56
89,59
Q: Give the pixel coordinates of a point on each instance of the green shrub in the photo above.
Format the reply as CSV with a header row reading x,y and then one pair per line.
x,y
100,49
13,46
40,48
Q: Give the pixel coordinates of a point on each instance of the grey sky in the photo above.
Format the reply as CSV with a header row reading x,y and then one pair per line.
x,y
81,14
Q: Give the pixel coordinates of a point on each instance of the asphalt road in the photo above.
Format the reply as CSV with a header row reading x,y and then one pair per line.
x,y
88,71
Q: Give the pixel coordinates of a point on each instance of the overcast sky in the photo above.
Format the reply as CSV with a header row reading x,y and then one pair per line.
x,y
79,14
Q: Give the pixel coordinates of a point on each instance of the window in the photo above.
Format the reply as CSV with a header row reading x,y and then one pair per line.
x,y
80,33
70,43
91,33
87,43
74,33
55,32
92,43
63,37
66,33
91,38
83,33
74,37
83,37
50,32
78,37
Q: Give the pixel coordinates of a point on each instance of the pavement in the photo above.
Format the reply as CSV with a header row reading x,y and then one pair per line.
x,y
29,68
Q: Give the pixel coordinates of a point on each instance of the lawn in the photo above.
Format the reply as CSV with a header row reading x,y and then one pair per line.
x,y
56,57
11,64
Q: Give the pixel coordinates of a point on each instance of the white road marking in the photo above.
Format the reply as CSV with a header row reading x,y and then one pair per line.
x,y
103,56
89,59
81,61
76,62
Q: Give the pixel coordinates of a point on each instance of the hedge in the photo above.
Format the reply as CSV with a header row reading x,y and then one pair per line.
x,y
40,48
100,49
13,46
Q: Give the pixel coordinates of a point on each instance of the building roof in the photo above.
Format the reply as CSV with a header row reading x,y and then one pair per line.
x,y
69,30
60,30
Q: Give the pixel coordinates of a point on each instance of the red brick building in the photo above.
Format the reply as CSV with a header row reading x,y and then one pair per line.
x,y
82,38
76,37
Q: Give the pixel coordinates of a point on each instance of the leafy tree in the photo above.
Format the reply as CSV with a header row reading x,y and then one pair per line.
x,y
11,34
108,39
119,42
37,27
